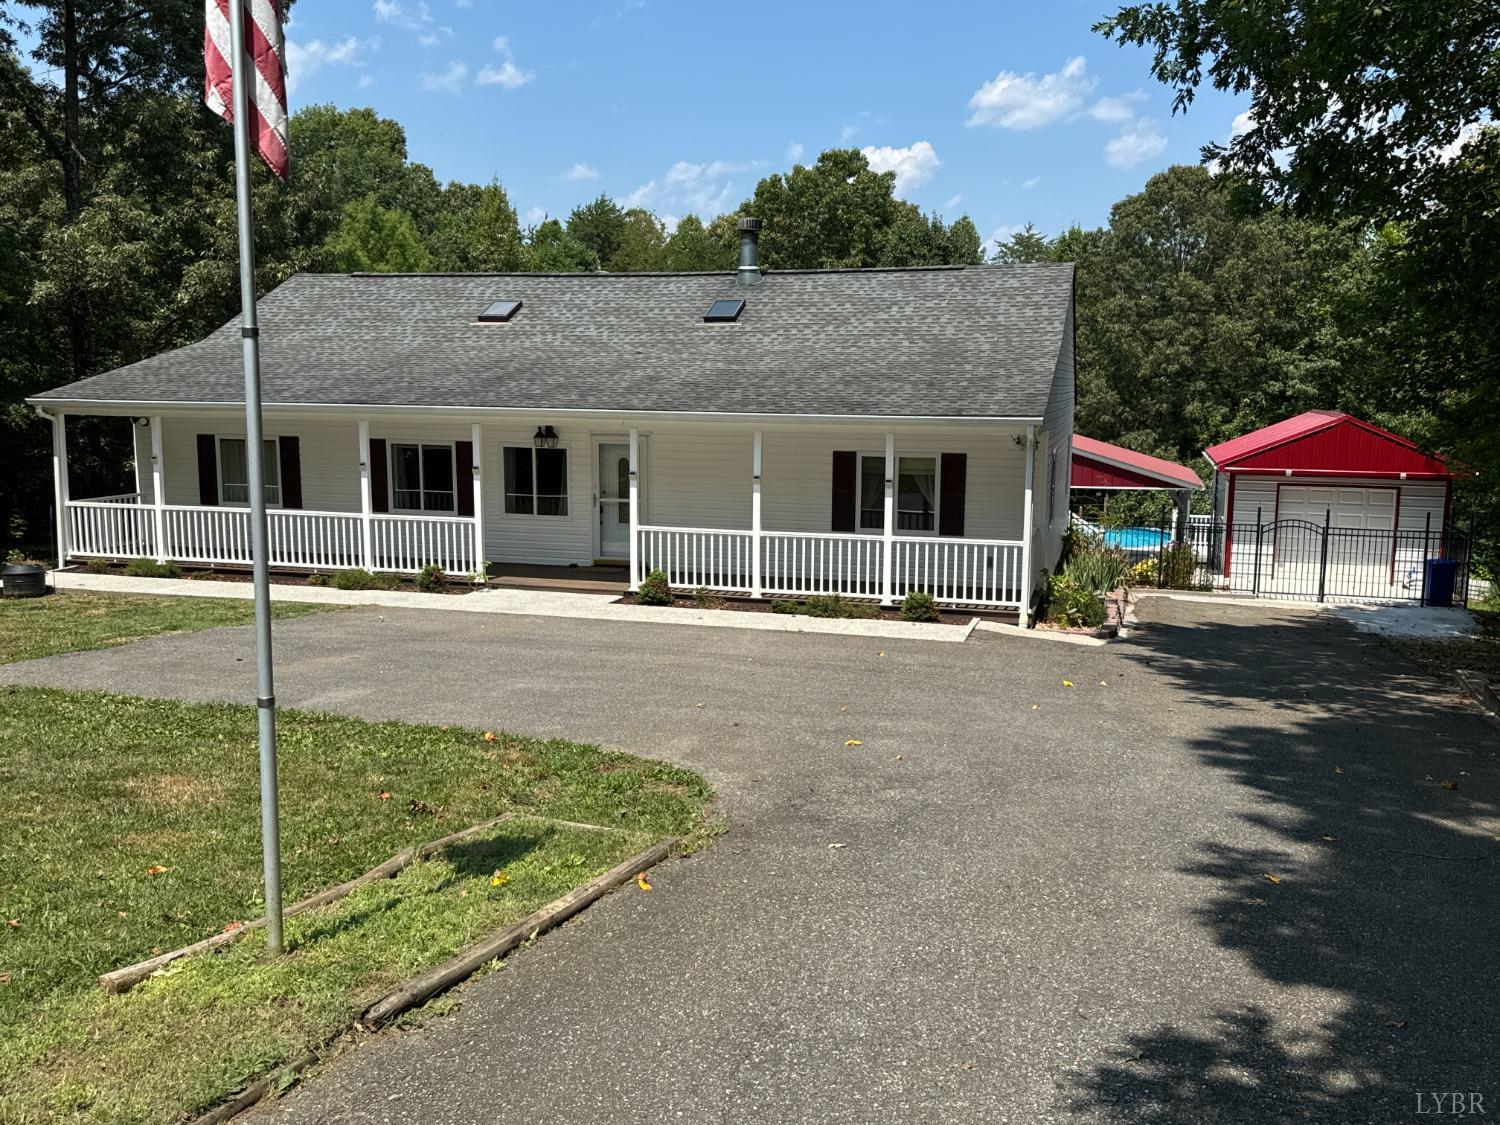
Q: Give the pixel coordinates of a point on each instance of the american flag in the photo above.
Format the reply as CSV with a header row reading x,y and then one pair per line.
x,y
267,48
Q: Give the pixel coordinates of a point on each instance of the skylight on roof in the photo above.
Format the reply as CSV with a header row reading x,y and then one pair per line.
x,y
725,308
500,312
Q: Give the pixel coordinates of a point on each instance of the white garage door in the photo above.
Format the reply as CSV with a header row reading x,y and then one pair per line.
x,y
1367,509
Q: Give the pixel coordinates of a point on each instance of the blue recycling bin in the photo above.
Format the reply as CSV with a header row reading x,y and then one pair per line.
x,y
1441,575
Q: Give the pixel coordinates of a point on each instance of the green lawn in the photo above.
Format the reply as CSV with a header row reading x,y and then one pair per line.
x,y
97,791
77,622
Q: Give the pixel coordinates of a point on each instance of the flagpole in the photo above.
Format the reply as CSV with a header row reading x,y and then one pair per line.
x,y
241,66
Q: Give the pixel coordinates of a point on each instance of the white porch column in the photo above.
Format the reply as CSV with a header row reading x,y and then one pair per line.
x,y
158,493
635,516
60,483
888,546
479,560
755,528
1027,522
366,505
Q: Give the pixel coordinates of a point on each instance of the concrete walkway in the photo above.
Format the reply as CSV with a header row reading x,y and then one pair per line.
x,y
529,603
1048,902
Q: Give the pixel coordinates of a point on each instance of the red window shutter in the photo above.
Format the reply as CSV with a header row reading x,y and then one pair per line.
x,y
291,472
951,494
208,471
463,477
845,490
380,492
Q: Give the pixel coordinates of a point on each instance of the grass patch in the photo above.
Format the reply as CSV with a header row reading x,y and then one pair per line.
x,y
98,790
78,622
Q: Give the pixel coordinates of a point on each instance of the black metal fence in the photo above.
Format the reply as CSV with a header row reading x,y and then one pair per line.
x,y
1308,561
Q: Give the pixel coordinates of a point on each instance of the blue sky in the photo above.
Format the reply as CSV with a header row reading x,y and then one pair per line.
x,y
1009,112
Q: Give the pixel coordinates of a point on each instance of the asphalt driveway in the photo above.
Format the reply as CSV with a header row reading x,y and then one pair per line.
x,y
1046,902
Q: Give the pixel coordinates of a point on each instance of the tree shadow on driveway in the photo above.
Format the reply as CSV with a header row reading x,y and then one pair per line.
x,y
1371,795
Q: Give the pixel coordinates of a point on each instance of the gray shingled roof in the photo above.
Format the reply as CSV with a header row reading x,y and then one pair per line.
x,y
960,341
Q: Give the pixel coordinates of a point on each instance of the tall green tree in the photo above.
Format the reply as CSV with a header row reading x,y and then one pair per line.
x,y
1351,104
372,239
694,247
476,230
600,226
641,243
551,249
1025,246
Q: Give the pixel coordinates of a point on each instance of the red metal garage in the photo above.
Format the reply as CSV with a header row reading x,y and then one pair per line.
x,y
1327,481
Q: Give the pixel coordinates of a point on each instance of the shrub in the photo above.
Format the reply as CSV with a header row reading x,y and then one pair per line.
x,y
203,576
825,605
317,578
1143,573
917,606
705,600
430,578
97,566
1098,570
655,590
1179,566
360,579
1072,606
150,568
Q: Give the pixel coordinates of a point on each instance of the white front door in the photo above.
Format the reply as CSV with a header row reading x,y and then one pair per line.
x,y
614,500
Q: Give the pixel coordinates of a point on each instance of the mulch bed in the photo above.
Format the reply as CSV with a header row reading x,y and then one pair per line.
x,y
204,574
746,605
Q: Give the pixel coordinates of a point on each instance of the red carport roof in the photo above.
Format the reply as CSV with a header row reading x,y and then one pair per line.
x,y
1098,464
1325,441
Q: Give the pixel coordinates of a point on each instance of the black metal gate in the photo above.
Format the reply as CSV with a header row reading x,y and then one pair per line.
x,y
1308,561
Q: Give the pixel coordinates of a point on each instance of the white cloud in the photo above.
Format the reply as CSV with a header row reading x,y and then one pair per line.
x,y
952,201
448,79
1024,101
417,18
581,171
913,165
1030,182
1116,109
507,74
1465,135
704,189
1242,124
303,60
535,215
794,151
1137,142
365,81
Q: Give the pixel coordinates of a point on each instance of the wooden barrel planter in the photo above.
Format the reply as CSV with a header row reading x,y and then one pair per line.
x,y
24,580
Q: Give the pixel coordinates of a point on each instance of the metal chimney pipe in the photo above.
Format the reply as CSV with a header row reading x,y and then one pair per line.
x,y
749,271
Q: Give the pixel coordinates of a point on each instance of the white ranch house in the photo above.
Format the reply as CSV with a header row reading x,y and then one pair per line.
x,y
865,432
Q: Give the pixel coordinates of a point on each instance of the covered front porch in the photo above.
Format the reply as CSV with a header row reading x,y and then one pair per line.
x,y
793,509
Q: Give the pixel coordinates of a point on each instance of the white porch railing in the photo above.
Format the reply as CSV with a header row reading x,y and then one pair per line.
x,y
112,526
694,557
965,571
123,527
802,563
408,543
979,572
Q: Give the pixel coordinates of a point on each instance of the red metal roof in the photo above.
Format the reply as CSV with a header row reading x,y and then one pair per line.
x,y
1098,464
1326,442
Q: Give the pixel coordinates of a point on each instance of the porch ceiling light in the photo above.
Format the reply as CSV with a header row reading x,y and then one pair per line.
x,y
545,437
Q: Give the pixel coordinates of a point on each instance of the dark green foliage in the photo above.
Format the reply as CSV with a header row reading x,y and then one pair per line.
x,y
1179,567
1071,606
430,578
359,579
150,568
655,589
97,566
317,578
917,606
825,605
1097,569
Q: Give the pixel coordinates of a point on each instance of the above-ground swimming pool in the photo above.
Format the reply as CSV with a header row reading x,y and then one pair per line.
x,y
1136,538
